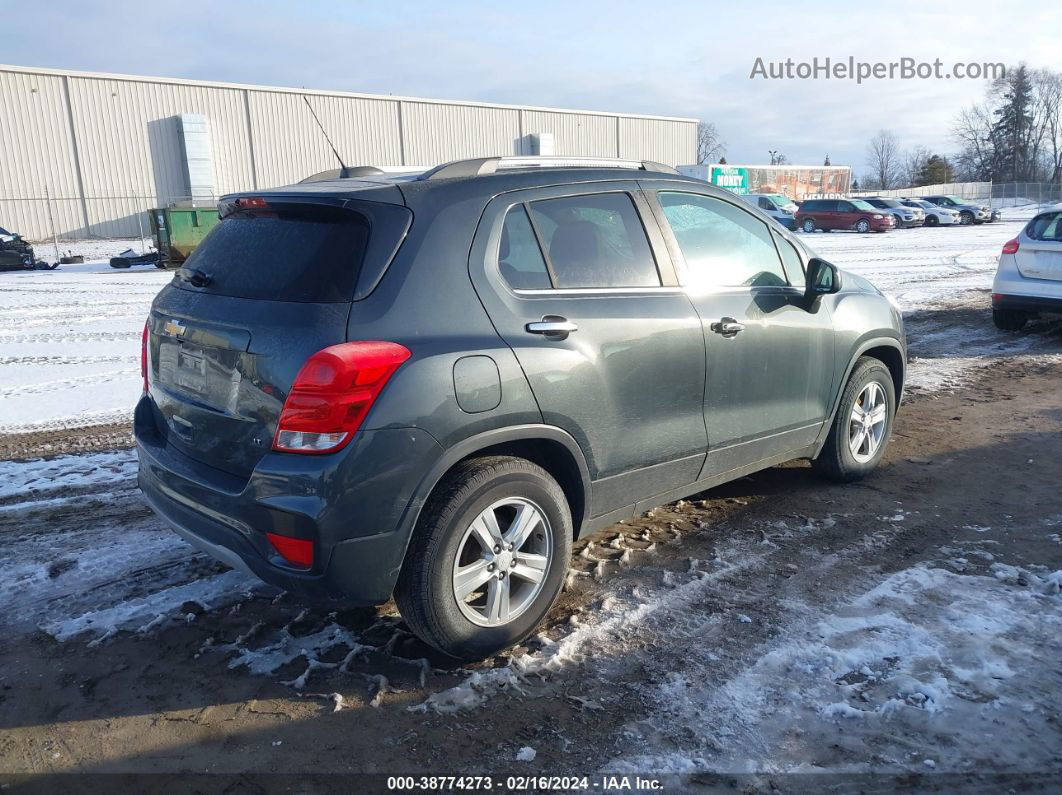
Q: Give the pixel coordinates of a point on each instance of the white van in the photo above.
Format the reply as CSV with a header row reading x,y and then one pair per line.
x,y
777,205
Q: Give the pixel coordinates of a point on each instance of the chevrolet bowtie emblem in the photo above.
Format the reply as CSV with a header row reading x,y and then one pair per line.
x,y
173,327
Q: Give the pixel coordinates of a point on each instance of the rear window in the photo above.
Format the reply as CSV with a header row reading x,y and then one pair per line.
x,y
304,254
1046,227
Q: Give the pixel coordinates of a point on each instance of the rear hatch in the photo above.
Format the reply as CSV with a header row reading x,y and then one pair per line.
x,y
1040,253
270,286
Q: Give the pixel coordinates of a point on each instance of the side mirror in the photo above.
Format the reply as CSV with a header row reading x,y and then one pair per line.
x,y
823,278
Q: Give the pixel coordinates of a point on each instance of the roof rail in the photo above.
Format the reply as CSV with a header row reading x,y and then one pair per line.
x,y
480,166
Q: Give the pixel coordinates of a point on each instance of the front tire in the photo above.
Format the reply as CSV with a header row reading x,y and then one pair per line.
x,y
862,426
808,225
966,218
1009,319
488,557
863,225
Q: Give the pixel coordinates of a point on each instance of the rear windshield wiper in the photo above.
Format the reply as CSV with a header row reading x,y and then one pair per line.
x,y
195,277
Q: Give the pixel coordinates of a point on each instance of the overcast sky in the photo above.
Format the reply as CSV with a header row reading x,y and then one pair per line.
x,y
671,58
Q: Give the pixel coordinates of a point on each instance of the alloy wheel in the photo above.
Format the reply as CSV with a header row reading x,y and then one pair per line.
x,y
866,427
502,562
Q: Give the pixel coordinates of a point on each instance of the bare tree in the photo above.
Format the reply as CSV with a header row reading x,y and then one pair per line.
x,y
914,164
709,146
1047,87
972,131
883,157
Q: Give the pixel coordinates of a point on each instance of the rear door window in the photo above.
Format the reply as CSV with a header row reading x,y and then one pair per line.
x,y
310,254
596,240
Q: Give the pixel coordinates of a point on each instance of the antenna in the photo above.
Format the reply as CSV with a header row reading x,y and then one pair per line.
x,y
342,165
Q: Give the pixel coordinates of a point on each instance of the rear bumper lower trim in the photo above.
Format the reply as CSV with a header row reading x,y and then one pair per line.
x,y
1026,303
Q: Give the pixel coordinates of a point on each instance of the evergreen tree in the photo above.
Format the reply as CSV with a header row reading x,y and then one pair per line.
x,y
935,170
1012,131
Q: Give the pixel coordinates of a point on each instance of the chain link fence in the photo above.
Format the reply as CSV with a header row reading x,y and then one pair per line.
x,y
1032,196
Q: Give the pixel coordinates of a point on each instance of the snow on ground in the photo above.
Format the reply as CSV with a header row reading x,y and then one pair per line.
x,y
70,340
101,561
923,266
926,654
941,278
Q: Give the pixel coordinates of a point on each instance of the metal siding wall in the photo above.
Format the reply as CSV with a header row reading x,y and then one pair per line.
x,y
129,141
575,133
289,146
37,156
440,133
667,142
129,152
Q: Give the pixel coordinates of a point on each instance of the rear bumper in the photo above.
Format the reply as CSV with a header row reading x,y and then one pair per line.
x,y
352,505
1027,303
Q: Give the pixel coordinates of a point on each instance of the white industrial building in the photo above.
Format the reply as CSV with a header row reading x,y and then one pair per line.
x,y
84,154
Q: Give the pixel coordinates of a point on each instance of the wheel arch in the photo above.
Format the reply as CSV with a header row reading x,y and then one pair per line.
x,y
551,448
889,352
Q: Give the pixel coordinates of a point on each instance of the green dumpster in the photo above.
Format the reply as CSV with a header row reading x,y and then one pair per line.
x,y
178,230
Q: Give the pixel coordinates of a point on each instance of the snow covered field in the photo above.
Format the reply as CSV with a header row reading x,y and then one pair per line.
x,y
70,340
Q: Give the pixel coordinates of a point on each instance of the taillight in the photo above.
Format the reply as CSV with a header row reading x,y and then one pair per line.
x,y
144,355
1011,246
293,550
333,393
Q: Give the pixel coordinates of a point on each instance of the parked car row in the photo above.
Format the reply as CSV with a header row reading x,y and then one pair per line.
x,y
871,213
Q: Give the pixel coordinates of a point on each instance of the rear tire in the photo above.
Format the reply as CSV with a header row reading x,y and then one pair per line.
x,y
808,225
1009,319
853,449
932,220
449,538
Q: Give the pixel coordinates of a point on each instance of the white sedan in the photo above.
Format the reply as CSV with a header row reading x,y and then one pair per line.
x,y
935,214
1029,275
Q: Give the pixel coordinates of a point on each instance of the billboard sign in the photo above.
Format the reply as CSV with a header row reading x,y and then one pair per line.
x,y
733,178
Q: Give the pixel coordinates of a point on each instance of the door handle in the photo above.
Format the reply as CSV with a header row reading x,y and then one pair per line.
x,y
727,326
552,326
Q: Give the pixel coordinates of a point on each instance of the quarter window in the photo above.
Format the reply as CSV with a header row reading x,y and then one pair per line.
x,y
794,265
520,260
595,241
723,245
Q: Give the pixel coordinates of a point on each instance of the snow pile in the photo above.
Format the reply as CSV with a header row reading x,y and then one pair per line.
x,y
42,477
913,666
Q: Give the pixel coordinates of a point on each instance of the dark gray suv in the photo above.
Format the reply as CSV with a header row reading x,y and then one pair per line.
x,y
430,386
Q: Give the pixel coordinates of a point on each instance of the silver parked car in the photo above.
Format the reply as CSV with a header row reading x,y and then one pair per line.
x,y
935,215
1029,275
970,212
905,216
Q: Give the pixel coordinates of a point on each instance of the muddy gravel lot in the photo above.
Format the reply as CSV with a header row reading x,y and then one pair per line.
x,y
778,633
708,636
